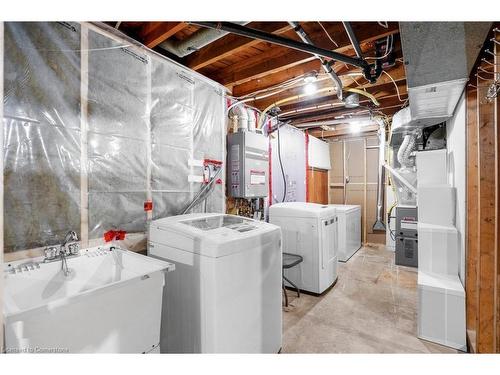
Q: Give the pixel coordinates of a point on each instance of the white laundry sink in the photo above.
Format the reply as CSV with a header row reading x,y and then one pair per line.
x,y
110,302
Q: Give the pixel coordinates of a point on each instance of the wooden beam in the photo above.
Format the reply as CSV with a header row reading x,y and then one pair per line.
x,y
487,224
154,33
397,73
301,69
472,217
386,91
231,44
496,282
280,58
342,129
388,106
381,92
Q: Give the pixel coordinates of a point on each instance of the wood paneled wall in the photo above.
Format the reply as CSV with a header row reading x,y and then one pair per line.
x,y
353,179
317,186
483,224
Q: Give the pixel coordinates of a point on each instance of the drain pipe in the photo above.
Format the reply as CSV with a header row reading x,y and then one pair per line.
x,y
353,39
249,32
367,69
326,66
379,224
196,41
239,117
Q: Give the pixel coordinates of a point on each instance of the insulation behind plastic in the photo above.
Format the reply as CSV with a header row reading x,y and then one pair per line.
x,y
42,133
293,159
88,109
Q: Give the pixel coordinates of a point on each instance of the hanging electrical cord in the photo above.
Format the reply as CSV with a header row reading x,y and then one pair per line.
x,y
281,165
395,85
384,24
328,35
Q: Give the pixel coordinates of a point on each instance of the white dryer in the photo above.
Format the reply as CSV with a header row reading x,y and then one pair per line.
x,y
349,230
309,230
226,295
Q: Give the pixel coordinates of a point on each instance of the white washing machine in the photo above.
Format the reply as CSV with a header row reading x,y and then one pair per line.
x,y
349,230
309,230
226,294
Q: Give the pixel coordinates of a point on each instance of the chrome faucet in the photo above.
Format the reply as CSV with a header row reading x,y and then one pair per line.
x,y
70,236
53,253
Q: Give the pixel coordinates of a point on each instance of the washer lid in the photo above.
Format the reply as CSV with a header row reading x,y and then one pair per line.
x,y
212,235
209,223
301,209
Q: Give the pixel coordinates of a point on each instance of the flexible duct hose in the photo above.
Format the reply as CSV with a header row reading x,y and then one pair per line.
x,y
406,149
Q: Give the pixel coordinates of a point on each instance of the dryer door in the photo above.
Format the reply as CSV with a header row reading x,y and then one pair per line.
x,y
329,239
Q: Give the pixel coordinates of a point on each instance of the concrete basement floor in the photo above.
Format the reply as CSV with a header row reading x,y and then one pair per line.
x,y
371,309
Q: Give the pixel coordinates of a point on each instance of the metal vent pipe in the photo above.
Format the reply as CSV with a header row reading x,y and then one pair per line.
x,y
379,224
196,41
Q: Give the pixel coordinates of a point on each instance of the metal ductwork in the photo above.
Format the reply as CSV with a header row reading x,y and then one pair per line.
x,y
439,57
379,223
324,63
196,41
407,147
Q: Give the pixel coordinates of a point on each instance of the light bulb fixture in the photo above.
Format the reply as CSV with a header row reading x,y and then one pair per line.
x,y
310,89
310,78
356,127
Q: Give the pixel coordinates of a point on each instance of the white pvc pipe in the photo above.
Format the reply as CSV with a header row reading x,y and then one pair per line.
x,y
401,178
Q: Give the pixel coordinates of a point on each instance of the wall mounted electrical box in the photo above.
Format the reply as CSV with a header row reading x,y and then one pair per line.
x,y
248,165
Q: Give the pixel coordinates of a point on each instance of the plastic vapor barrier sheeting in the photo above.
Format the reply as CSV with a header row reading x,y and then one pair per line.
x,y
293,158
95,121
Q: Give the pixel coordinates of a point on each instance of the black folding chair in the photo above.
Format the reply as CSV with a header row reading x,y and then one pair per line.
x,y
289,261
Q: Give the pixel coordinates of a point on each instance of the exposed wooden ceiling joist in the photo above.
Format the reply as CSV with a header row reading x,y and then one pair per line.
x,y
231,44
329,104
341,130
246,65
154,33
281,58
390,102
397,73
293,72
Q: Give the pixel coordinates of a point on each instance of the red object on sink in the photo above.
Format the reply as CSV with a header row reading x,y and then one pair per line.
x,y
111,235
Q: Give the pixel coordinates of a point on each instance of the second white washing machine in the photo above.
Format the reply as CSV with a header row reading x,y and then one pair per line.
x,y
309,230
349,230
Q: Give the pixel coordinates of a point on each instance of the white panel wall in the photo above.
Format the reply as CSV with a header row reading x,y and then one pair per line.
x,y
293,157
456,135
318,154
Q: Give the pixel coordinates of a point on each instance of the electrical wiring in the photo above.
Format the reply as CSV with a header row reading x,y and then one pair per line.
x,y
328,35
300,96
397,88
388,48
384,24
285,84
281,164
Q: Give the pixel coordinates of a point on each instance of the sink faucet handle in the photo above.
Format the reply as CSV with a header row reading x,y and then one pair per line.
x,y
72,234
73,248
51,252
